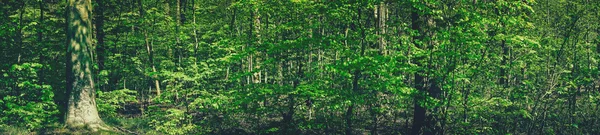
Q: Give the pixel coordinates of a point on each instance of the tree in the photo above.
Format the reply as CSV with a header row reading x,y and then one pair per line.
x,y
306,66
81,109
100,46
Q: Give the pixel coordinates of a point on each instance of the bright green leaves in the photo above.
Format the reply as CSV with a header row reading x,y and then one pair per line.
x,y
109,102
171,121
28,103
211,101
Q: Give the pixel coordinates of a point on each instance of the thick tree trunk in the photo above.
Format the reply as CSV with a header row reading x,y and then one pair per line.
x,y
80,85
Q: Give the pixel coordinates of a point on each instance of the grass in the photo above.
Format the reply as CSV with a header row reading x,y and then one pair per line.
x,y
12,130
135,125
120,125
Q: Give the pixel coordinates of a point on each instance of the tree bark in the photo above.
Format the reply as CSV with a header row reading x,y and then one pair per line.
x,y
19,33
81,109
150,51
195,33
40,36
598,53
381,16
100,47
355,78
419,111
504,78
177,30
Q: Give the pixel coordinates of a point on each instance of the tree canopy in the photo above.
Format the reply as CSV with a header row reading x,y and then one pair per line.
x,y
301,66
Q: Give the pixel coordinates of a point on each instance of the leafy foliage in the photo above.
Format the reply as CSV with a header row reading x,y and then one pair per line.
x,y
316,67
27,103
109,102
171,121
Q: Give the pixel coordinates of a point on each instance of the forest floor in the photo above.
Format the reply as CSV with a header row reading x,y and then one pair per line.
x,y
128,121
129,126
119,125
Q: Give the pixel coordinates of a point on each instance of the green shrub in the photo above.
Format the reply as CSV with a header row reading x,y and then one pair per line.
x,y
26,102
109,102
171,121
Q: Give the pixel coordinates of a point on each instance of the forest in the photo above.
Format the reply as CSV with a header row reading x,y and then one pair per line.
x,y
430,67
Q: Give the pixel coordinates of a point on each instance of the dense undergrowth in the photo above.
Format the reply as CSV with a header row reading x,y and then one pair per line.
x,y
305,66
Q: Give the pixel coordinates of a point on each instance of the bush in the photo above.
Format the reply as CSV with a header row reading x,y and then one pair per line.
x,y
26,102
109,102
171,121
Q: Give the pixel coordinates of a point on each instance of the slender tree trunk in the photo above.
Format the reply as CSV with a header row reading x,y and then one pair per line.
x,y
419,111
503,70
576,90
151,59
349,113
177,30
196,33
80,84
355,79
150,51
255,36
381,16
100,47
5,15
41,44
233,34
257,29
179,47
19,33
289,116
598,54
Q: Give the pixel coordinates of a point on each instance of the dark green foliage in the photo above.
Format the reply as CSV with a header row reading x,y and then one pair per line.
x,y
109,102
24,101
315,67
